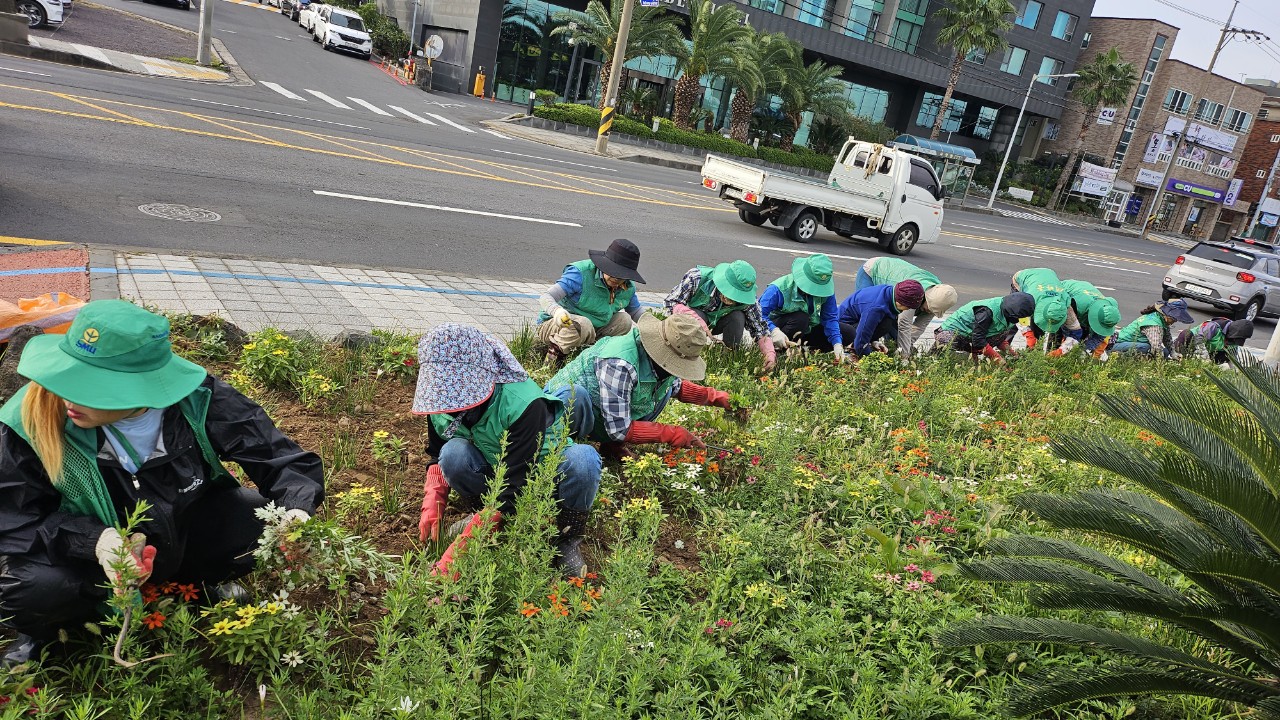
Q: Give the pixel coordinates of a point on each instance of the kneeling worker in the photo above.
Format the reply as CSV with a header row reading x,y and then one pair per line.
x,y
724,297
938,296
985,326
594,298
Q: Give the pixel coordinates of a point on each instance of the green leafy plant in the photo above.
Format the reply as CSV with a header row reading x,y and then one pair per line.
x,y
271,359
304,554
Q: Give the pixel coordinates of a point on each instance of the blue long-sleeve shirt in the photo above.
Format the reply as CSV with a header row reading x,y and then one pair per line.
x,y
866,309
771,302
569,287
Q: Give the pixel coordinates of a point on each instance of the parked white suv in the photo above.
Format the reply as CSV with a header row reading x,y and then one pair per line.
x,y
339,29
41,13
307,15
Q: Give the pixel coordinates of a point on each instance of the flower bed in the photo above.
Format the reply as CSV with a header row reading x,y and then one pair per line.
x,y
797,567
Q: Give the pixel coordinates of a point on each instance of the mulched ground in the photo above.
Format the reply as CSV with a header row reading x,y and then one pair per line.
x,y
104,27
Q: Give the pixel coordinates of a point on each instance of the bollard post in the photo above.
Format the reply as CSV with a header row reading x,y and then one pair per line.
x,y
529,111
478,88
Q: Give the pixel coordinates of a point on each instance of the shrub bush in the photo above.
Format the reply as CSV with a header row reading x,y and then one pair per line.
x,y
388,39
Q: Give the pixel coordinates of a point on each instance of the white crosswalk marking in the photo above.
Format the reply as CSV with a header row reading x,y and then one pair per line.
x,y
369,106
496,134
447,121
410,115
331,101
1036,217
283,91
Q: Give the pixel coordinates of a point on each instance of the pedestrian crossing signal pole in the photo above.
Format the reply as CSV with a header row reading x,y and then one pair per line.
x,y
615,72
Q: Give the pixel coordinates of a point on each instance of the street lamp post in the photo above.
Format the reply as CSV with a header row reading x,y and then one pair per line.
x,y
991,201
573,61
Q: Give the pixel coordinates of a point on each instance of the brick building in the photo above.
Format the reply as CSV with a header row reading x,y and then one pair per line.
x,y
1259,156
1137,137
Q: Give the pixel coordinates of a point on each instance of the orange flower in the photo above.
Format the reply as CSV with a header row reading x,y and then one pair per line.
x,y
593,593
154,620
592,576
713,467
553,597
586,607
188,592
575,581
150,593
529,609
169,588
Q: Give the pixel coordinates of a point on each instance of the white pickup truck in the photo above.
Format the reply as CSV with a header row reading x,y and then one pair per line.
x,y
874,192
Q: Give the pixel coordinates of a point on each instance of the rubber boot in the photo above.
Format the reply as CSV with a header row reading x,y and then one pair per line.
x,y
23,648
470,504
572,525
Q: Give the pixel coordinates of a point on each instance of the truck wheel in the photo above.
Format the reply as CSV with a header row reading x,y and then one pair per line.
x,y
751,218
804,227
901,242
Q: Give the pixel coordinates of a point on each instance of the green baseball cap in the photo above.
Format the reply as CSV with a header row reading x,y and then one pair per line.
x,y
736,280
115,356
1050,312
1104,316
813,275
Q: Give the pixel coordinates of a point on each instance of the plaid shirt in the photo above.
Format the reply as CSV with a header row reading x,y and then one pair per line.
x,y
688,286
617,380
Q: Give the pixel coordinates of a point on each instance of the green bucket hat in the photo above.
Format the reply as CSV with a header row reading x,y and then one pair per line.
x,y
115,356
736,280
813,275
1050,312
1104,316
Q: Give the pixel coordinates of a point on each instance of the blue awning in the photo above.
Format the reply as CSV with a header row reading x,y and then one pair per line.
x,y
925,146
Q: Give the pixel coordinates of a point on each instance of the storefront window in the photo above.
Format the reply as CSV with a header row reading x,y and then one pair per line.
x,y
529,56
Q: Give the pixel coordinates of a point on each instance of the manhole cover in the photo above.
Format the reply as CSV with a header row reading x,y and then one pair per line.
x,y
184,213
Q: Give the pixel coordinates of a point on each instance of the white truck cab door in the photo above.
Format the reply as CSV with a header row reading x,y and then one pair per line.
x,y
922,205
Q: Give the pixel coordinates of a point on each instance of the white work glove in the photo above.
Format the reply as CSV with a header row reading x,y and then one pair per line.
x,y
780,339
838,351
879,346
111,549
1068,344
1103,357
1225,366
561,316
295,516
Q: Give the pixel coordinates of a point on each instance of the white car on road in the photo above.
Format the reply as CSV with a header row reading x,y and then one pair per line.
x,y
42,13
307,15
339,29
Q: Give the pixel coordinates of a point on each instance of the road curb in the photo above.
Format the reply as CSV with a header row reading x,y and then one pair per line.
x,y
56,56
102,286
241,78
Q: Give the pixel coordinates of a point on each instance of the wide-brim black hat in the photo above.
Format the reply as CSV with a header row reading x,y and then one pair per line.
x,y
620,260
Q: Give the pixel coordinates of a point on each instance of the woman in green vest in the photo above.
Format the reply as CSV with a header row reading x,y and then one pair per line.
x,y
1053,307
985,326
616,389
1214,339
801,308
724,298
112,418
1098,316
938,296
593,298
478,397
1150,333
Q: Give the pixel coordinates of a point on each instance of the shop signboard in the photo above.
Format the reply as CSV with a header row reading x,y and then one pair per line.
x,y
1233,192
1190,189
1150,178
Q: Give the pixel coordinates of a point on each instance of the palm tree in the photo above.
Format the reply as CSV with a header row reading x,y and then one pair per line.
x,y
1105,81
969,25
761,73
811,88
653,32
715,45
1211,514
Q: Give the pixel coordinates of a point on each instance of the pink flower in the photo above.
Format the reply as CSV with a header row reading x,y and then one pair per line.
x,y
710,631
751,480
912,567
724,623
927,576
949,530
913,586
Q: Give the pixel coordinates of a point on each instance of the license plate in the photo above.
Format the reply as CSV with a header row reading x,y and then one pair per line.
x,y
1197,289
734,193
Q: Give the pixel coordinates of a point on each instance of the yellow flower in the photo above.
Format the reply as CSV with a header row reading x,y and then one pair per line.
x,y
381,434
281,337
280,352
248,611
250,346
222,627
242,624
272,608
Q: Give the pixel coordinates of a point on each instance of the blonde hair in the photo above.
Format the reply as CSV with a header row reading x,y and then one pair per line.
x,y
43,416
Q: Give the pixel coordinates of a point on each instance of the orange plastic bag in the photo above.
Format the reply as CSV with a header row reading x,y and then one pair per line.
x,y
52,312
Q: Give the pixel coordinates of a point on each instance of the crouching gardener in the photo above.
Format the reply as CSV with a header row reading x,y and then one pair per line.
x,y
619,386
985,326
593,298
112,417
475,392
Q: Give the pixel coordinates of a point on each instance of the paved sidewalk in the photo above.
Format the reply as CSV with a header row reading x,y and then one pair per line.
x,y
324,300
128,62
587,145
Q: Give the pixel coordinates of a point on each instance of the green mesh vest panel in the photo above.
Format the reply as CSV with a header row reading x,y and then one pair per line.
x,y
960,322
83,489
891,271
593,302
707,290
1133,331
582,371
795,300
509,402
1083,294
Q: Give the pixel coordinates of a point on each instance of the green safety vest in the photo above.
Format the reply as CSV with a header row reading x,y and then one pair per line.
x,y
794,300
1038,282
593,302
1217,342
84,491
582,371
891,271
1133,331
960,322
703,295
1083,294
508,402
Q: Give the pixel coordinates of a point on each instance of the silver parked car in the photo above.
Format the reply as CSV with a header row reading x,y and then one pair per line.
x,y
1240,275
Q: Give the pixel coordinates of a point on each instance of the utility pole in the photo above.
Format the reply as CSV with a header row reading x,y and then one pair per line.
x,y
204,46
615,73
1178,138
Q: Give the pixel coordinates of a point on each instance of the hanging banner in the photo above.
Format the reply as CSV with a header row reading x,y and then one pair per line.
x,y
1233,192
1097,172
1268,219
1150,178
1153,148
1201,135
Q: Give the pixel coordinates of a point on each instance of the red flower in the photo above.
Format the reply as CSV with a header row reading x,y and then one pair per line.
x,y
188,592
150,593
154,620
169,588
408,362
755,460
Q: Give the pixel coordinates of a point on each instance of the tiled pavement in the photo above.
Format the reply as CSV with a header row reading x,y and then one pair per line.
x,y
322,299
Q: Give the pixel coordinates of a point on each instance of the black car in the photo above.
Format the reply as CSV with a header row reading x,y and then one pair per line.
x,y
291,8
180,4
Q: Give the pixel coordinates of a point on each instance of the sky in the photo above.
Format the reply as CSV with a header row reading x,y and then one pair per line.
x,y
1197,37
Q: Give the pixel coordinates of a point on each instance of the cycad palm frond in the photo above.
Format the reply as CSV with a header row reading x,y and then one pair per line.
x,y
1212,514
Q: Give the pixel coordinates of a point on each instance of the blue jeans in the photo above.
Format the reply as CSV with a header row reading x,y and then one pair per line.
x,y
582,414
862,280
467,471
1134,347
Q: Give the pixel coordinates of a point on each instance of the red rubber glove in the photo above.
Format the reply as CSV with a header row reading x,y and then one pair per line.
x,y
459,544
1031,339
696,394
643,431
1056,352
435,493
992,354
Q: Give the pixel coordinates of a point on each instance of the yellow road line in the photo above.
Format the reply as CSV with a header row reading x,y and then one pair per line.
x,y
1034,246
7,240
232,128
75,99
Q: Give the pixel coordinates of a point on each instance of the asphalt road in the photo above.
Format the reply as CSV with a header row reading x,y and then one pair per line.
x,y
303,178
